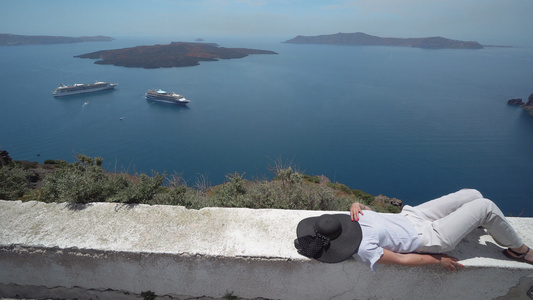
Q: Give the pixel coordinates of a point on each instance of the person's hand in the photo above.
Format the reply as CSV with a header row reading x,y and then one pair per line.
x,y
449,262
355,210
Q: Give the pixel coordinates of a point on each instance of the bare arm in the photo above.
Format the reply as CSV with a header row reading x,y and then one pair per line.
x,y
414,259
356,209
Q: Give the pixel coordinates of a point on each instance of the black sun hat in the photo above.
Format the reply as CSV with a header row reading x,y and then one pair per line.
x,y
328,238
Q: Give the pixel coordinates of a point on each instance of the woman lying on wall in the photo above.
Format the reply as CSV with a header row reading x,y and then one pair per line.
x,y
416,236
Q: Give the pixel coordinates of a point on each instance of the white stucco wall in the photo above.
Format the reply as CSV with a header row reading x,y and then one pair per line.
x,y
175,251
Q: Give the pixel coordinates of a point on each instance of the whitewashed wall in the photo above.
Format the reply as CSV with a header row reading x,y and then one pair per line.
x,y
115,249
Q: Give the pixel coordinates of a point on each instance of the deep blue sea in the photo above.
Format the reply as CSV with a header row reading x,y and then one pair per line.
x,y
407,123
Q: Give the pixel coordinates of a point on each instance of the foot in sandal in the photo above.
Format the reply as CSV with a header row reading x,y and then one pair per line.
x,y
522,254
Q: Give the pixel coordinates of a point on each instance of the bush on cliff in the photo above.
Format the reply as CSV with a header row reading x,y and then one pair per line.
x,y
15,178
86,181
14,182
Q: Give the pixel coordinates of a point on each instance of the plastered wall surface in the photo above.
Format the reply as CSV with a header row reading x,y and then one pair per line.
x,y
209,252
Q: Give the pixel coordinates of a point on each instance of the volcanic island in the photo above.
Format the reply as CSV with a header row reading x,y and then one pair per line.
x,y
175,54
7,39
363,39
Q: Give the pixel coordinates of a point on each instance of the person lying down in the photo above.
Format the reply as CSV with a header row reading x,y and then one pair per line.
x,y
418,235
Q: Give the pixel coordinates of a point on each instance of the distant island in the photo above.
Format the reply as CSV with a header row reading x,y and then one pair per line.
x,y
363,39
176,54
14,40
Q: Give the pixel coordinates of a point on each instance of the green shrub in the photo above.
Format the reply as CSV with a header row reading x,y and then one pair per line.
x,y
172,196
13,182
86,181
312,179
76,185
365,198
176,192
340,187
288,176
5,159
393,209
59,163
231,193
264,194
26,165
142,192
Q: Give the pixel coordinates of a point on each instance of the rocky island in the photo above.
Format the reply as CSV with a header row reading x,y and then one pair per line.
x,y
363,39
176,54
14,40
527,106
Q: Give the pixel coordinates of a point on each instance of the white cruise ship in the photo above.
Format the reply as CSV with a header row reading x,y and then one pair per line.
x,y
162,96
78,88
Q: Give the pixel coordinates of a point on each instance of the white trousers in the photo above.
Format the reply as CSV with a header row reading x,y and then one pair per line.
x,y
442,223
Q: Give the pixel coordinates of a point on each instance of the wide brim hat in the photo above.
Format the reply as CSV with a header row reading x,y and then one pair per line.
x,y
328,238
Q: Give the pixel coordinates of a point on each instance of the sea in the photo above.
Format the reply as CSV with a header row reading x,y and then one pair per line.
x,y
408,123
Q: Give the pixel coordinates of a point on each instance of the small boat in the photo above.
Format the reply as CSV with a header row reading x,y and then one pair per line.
x,y
78,88
162,96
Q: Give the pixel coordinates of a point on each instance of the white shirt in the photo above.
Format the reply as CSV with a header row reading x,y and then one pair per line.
x,y
385,231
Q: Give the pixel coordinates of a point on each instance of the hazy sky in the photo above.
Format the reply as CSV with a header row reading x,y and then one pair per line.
x,y
486,21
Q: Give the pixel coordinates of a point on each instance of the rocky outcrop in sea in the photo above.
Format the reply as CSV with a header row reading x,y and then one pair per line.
x,y
527,106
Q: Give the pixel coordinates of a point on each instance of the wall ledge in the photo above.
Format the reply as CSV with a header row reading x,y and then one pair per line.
x,y
174,251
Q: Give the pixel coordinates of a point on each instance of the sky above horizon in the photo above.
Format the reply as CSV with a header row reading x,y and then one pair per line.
x,y
485,21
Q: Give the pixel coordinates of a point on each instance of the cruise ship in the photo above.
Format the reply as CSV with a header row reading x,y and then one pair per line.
x,y
162,96
78,88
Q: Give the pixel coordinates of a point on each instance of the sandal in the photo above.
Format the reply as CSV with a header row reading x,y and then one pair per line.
x,y
521,257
